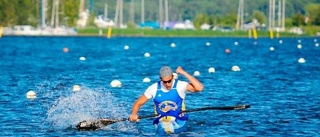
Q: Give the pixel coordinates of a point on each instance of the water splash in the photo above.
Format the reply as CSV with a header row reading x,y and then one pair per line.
x,y
87,104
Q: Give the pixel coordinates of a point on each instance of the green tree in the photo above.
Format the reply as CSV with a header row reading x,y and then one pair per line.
x,y
200,19
7,12
14,12
212,20
259,16
71,12
25,10
298,19
230,19
313,14
289,22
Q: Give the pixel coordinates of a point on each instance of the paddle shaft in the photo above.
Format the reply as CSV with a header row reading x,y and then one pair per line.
x,y
197,109
96,124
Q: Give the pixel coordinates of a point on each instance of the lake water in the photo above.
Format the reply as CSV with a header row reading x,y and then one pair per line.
x,y
284,94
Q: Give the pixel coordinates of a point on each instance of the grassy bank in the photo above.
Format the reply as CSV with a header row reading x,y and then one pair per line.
x,y
180,33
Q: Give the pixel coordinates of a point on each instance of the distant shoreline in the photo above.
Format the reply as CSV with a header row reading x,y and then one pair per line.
x,y
116,32
181,33
139,36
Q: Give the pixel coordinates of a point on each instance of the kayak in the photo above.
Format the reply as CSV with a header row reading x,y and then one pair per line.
x,y
164,125
171,125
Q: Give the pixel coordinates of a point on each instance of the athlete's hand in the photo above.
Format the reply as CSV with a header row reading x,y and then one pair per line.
x,y
179,70
134,118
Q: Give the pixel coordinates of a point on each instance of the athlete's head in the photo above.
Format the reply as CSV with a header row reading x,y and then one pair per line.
x,y
166,76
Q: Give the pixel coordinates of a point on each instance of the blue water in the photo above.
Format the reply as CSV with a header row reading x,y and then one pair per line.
x,y
284,94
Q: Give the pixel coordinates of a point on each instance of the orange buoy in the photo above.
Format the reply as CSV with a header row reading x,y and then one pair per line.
x,y
227,51
65,50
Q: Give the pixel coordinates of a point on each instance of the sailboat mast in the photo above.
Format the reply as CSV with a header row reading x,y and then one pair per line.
x,y
160,13
166,8
132,11
271,13
240,15
57,14
52,13
116,16
105,11
279,14
121,13
142,11
43,13
283,14
81,7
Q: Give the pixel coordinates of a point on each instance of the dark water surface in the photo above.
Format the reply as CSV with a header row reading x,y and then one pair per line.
x,y
284,94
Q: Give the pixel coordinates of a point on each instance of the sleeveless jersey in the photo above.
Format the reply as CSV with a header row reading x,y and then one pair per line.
x,y
169,103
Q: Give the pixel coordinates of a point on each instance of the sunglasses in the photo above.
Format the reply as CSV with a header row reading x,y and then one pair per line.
x,y
166,82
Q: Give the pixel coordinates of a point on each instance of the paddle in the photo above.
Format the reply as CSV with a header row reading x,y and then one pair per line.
x,y
98,123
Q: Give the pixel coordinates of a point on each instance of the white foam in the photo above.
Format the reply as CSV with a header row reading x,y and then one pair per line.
x,y
69,110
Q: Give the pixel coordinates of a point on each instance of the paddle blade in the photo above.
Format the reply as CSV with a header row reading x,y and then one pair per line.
x,y
94,124
241,107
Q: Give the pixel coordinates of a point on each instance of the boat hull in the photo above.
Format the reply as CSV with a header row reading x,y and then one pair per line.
x,y
171,126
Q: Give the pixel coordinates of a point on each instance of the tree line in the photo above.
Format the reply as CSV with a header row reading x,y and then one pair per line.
x,y
28,12
213,12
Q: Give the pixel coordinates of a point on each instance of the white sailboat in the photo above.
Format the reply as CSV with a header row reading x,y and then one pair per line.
x,y
83,15
53,30
104,22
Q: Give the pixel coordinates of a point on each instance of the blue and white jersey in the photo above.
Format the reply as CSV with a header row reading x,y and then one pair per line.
x,y
181,88
168,103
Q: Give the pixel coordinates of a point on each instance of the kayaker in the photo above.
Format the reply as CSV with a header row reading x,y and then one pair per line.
x,y
168,95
